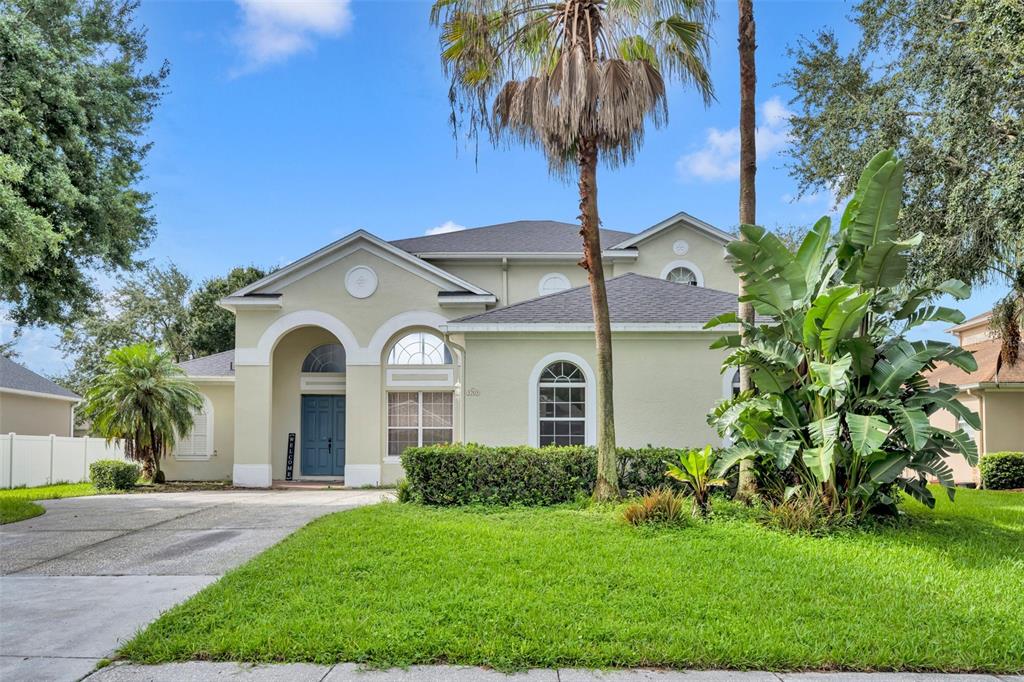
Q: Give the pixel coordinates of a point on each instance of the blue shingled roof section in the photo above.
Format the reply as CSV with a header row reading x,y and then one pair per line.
x,y
632,298
521,236
18,378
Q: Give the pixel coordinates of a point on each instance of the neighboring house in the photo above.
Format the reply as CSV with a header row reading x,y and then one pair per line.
x,y
32,405
366,347
995,391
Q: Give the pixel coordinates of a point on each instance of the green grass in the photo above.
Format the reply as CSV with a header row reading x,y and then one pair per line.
x,y
16,504
403,584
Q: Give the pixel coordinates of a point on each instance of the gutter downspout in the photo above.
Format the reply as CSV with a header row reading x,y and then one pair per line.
x,y
504,282
461,384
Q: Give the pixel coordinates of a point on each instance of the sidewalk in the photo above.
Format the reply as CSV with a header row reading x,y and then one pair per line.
x,y
345,672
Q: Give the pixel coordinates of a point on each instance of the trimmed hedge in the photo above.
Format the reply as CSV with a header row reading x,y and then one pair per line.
x,y
1002,470
113,474
460,474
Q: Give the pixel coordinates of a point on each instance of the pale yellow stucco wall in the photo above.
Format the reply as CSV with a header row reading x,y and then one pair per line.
x,y
268,397
665,382
664,385
34,415
218,467
655,253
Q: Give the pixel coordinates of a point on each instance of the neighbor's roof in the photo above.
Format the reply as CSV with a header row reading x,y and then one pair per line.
x,y
972,322
521,236
217,365
14,377
990,370
632,299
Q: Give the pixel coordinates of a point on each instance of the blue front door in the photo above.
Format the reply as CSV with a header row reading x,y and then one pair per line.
x,y
323,435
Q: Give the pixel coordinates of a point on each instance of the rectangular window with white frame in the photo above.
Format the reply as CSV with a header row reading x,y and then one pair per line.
x,y
197,444
418,418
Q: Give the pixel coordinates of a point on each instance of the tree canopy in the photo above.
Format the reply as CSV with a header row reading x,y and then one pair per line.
x,y
74,102
942,82
157,306
212,328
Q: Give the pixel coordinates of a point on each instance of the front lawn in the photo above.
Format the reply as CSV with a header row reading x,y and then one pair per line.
x,y
16,504
402,584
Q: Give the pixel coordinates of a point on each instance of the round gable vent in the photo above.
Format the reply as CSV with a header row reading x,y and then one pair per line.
x,y
361,281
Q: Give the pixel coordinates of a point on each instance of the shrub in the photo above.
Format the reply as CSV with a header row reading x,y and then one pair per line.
x,y
1002,470
806,511
113,474
840,397
661,505
403,491
459,473
694,469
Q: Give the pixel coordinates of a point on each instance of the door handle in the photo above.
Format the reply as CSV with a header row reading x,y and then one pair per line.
x,y
329,441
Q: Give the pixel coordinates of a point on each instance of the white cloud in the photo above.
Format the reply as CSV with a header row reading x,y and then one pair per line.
x,y
719,157
273,30
445,227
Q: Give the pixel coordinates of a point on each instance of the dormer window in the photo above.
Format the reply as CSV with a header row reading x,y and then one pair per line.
x,y
682,275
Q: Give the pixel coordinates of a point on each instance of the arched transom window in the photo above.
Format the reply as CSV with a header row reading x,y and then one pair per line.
x,y
561,393
682,275
420,348
329,357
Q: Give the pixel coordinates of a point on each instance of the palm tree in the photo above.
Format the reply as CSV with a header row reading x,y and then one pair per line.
x,y
748,196
579,79
142,397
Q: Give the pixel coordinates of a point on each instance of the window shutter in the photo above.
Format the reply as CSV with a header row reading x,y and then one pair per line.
x,y
194,445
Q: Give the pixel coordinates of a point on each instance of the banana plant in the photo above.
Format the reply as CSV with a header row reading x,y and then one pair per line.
x,y
840,399
694,469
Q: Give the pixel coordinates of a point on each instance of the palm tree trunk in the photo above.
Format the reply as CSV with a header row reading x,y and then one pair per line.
x,y
748,197
607,487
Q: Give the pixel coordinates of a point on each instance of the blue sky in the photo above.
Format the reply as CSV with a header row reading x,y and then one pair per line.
x,y
289,124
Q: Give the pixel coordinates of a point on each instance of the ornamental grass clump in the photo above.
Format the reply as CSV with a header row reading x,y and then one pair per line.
x,y
661,505
841,404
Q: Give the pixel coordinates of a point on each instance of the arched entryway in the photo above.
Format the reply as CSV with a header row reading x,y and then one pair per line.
x,y
309,368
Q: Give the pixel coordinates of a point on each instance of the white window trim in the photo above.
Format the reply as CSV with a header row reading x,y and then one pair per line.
x,y
208,409
552,275
397,459
683,264
589,395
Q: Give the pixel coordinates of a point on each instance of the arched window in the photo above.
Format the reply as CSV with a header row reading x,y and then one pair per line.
x,y
552,283
329,357
420,348
682,275
735,385
198,443
561,395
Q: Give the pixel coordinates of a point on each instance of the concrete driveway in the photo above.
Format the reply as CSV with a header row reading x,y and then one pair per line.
x,y
84,577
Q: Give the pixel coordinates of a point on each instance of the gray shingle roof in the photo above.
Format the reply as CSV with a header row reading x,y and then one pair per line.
x,y
18,378
632,298
216,365
521,236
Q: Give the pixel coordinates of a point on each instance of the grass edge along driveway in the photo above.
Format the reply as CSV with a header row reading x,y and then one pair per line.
x,y
516,588
17,504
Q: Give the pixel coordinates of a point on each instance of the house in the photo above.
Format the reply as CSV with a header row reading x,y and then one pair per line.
x,y
994,391
365,347
32,405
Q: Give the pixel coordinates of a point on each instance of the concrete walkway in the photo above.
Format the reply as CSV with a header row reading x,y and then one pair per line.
x,y
346,672
85,576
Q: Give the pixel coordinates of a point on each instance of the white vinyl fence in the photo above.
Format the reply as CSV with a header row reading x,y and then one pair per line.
x,y
41,460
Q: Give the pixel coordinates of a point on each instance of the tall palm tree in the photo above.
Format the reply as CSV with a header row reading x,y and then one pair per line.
x,y
142,397
748,196
579,79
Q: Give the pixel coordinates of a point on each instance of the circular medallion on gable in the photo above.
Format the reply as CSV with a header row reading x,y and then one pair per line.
x,y
361,281
680,247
